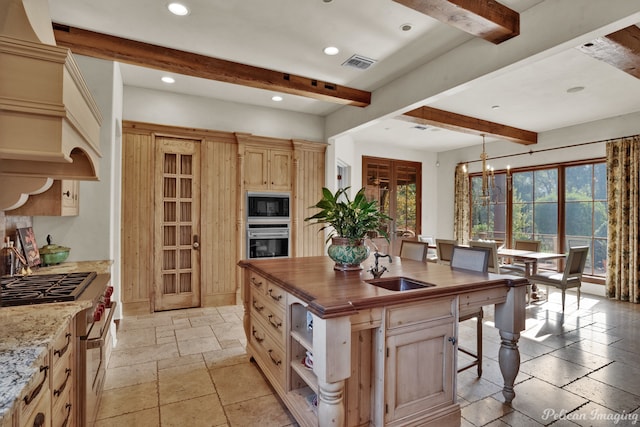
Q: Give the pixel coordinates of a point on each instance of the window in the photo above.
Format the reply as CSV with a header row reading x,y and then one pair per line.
x,y
561,205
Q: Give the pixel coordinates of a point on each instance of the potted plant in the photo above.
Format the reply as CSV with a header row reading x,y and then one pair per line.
x,y
480,231
349,221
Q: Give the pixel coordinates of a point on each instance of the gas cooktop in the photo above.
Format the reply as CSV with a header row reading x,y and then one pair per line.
x,y
43,288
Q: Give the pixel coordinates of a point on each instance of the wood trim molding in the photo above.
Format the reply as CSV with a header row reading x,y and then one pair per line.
x,y
487,19
620,49
470,125
104,46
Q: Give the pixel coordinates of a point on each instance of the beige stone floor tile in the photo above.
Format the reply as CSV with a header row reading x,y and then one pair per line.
x,y
554,370
485,411
604,394
146,418
169,330
240,382
184,382
228,331
182,360
133,338
516,418
230,343
265,411
194,333
125,400
181,321
623,376
129,375
211,319
150,322
536,399
167,340
204,411
225,357
199,345
132,356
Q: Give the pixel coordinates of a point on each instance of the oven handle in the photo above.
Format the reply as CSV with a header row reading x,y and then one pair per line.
x,y
99,342
268,235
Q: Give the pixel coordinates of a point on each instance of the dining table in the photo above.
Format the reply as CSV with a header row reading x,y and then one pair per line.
x,y
530,259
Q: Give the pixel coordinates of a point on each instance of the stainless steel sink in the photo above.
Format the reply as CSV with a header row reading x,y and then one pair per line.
x,y
399,283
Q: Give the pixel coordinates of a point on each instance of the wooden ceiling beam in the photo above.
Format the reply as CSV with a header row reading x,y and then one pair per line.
x,y
620,49
487,19
113,48
470,125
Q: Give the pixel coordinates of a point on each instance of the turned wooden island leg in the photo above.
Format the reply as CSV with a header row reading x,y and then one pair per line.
x,y
332,365
510,320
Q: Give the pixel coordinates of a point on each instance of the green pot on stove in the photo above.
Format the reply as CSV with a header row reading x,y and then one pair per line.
x,y
53,254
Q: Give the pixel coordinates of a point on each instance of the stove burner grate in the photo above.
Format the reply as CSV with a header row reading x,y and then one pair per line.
x,y
37,289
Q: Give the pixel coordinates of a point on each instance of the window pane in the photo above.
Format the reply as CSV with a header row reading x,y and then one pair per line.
x,y
546,218
600,181
579,180
522,221
523,187
579,218
546,185
600,219
599,257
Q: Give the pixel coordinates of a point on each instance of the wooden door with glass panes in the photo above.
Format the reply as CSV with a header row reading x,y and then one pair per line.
x,y
177,224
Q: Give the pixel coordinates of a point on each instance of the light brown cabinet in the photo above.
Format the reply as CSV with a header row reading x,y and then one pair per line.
x,y
267,169
62,199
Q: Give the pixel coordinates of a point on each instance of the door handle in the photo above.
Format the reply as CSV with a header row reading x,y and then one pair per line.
x,y
196,244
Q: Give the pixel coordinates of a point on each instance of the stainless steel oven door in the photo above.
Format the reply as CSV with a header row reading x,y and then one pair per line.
x,y
267,242
95,369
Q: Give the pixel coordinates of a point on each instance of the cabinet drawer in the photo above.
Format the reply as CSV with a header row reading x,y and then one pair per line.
x,y
271,317
270,352
425,311
62,347
62,380
62,414
40,415
258,283
474,300
37,389
277,295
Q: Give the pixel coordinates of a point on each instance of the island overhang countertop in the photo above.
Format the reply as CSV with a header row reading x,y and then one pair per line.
x,y
331,293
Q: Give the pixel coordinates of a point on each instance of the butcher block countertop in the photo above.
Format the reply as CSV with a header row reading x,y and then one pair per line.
x,y
332,293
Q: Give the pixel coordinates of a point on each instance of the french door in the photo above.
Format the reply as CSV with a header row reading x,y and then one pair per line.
x,y
177,224
396,185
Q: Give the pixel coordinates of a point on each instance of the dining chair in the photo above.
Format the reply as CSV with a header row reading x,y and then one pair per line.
x,y
494,263
444,248
519,268
570,277
413,250
476,259
432,254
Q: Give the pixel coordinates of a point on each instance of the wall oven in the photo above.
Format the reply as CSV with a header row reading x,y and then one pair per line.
x,y
268,240
272,207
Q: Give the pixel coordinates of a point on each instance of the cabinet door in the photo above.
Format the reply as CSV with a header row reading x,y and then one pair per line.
x,y
62,199
280,170
70,201
256,169
419,371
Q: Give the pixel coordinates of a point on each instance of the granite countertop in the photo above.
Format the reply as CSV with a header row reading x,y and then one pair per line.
x,y
27,333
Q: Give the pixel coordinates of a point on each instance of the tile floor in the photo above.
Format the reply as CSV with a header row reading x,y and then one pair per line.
x,y
189,368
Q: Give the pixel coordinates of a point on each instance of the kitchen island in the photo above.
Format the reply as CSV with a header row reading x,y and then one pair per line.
x,y
343,352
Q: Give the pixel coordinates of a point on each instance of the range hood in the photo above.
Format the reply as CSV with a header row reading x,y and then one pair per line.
x,y
49,122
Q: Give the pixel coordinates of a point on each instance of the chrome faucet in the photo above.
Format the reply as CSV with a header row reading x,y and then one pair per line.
x,y
379,271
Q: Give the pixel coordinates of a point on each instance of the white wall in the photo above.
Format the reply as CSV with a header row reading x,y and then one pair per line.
x,y
595,131
92,235
167,108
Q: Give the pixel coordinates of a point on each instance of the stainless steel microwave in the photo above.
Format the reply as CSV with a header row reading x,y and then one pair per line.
x,y
268,206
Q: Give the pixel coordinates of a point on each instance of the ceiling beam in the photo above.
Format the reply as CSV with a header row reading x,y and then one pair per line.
x,y
113,48
487,19
470,125
620,49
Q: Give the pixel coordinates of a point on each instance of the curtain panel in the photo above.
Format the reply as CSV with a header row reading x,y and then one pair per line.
x,y
461,205
623,182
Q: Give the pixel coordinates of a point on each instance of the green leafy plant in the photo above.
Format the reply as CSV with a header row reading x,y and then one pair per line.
x,y
352,219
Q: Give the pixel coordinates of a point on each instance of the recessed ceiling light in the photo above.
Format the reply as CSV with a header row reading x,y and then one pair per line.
x,y
178,9
575,89
495,107
406,27
168,79
331,50
276,98
327,1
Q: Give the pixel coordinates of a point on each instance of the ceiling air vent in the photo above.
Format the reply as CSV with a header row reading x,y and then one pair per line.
x,y
359,62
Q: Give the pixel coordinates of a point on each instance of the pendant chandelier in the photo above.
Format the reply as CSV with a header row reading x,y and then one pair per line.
x,y
488,180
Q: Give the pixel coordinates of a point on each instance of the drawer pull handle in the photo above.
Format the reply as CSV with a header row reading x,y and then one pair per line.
x,y
59,391
273,359
257,307
64,349
277,297
274,324
452,340
255,335
39,420
66,420
256,283
36,391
